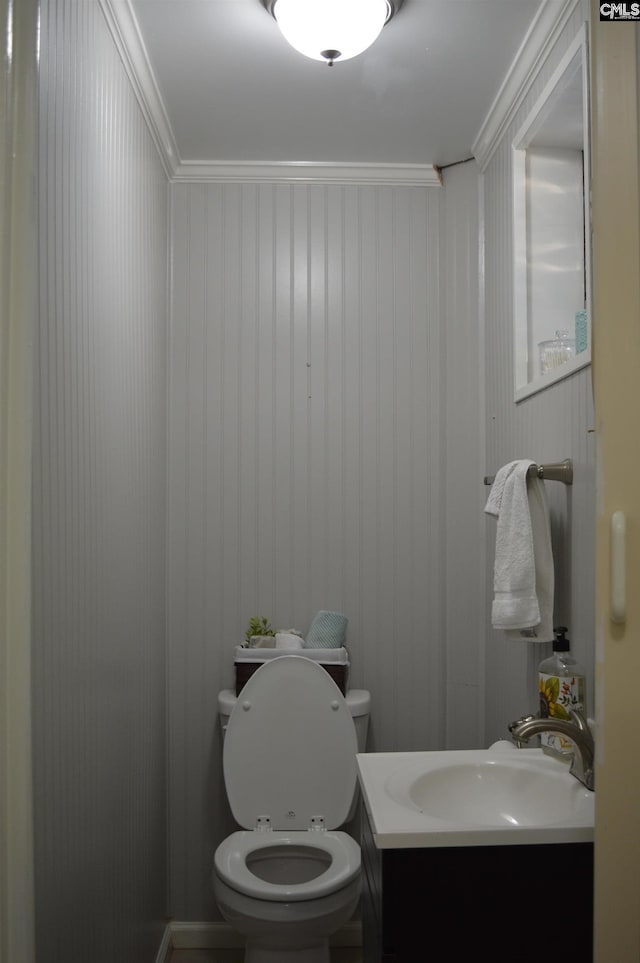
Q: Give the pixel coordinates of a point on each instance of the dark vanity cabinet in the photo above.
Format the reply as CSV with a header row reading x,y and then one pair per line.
x,y
521,904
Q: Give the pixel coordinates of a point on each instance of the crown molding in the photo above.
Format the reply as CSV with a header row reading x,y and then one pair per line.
x,y
125,31
540,39
305,172
126,34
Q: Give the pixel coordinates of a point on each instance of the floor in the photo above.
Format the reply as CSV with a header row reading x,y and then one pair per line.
x,y
341,955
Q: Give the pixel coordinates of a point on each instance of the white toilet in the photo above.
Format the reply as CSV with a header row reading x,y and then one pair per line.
x,y
289,879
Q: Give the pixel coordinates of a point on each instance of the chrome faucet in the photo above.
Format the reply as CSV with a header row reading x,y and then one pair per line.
x,y
576,729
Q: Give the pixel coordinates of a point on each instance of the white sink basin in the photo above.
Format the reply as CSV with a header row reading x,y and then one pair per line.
x,y
491,796
492,793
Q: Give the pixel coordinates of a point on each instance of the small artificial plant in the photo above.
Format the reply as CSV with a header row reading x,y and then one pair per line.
x,y
258,625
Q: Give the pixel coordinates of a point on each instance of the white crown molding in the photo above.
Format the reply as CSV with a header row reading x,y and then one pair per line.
x,y
125,31
304,172
126,34
122,23
543,33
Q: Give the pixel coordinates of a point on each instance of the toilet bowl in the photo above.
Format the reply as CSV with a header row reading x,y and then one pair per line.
x,y
279,932
290,877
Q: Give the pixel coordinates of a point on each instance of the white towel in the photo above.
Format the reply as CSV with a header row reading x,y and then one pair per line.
x,y
287,640
523,574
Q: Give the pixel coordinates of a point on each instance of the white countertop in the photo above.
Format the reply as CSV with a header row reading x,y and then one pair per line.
x,y
388,782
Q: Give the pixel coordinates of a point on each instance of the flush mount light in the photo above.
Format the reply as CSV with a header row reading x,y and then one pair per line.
x,y
331,30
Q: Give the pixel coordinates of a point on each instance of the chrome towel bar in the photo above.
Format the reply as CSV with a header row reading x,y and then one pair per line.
x,y
559,471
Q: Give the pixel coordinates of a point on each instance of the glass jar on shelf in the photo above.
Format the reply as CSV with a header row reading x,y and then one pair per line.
x,y
556,351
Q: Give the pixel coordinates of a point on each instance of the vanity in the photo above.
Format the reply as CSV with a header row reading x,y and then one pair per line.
x,y
475,854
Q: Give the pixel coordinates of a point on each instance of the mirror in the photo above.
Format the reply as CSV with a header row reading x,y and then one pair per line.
x,y
551,245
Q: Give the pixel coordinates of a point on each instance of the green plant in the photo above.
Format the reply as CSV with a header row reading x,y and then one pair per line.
x,y
258,625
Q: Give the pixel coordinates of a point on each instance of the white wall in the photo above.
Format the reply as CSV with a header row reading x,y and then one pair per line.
x,y
463,495
99,506
549,426
310,428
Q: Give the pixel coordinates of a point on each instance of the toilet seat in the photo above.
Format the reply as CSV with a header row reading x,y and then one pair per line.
x,y
232,854
289,752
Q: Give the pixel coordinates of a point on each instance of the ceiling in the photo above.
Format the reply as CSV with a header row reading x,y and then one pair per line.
x,y
234,91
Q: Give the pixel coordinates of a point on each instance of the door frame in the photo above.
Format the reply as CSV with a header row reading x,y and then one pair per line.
x,y
18,306
616,363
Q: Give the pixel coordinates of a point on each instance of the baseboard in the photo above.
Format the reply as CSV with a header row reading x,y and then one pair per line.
x,y
164,950
221,936
204,936
348,935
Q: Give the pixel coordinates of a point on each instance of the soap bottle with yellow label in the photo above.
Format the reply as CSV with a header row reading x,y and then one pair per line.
x,y
561,688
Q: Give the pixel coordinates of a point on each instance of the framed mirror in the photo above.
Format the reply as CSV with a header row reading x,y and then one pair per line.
x,y
551,232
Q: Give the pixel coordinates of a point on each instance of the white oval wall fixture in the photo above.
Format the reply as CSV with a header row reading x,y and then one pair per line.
x,y
331,30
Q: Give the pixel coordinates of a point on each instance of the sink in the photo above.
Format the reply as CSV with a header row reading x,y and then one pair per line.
x,y
496,796
492,793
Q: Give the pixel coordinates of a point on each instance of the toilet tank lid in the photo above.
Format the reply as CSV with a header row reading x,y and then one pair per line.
x,y
226,701
359,701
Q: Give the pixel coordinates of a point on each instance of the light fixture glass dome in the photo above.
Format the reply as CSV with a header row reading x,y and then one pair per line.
x,y
331,29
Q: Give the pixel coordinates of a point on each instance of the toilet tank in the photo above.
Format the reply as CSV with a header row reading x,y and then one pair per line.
x,y
358,702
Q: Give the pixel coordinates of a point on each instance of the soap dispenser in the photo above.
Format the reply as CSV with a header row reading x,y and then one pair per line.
x,y
561,688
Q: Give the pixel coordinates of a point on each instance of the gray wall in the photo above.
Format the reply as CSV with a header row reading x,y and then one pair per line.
x,y
549,426
323,383
99,507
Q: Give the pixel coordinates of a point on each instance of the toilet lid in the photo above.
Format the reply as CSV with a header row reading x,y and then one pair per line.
x,y
290,748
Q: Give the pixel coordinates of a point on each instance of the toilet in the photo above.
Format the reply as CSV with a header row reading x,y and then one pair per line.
x,y
290,878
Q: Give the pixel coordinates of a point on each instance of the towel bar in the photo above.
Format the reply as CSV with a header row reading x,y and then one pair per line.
x,y
560,471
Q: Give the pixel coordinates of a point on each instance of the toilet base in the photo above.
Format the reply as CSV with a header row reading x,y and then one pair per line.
x,y
296,932
261,954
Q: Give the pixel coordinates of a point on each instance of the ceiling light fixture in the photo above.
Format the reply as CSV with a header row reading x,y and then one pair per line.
x,y
331,30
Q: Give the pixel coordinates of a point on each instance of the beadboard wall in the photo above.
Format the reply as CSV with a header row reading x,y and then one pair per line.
x,y
332,352
463,496
549,426
99,506
322,387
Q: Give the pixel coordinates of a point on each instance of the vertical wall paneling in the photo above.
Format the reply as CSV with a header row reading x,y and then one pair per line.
x,y
307,460
99,506
463,493
549,426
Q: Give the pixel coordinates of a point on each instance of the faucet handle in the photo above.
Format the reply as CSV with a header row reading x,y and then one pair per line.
x,y
516,725
518,722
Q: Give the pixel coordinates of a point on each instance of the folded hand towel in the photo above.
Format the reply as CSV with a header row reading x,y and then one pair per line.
x,y
327,631
523,574
288,640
